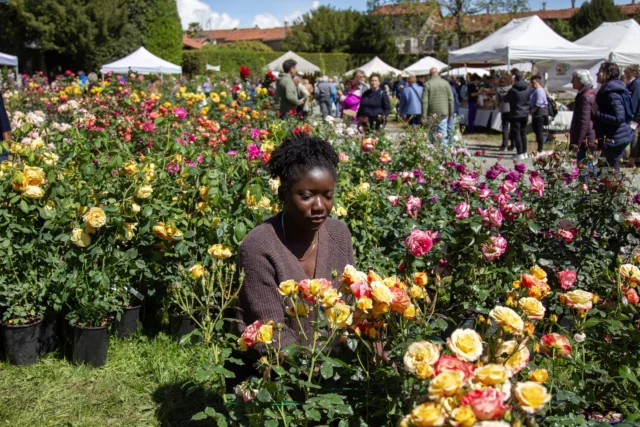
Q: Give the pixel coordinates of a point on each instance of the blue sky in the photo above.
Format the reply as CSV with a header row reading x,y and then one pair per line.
x,y
214,14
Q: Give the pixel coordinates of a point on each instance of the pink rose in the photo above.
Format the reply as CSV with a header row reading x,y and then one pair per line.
x,y
567,278
508,187
361,289
251,331
567,235
491,217
343,157
394,200
494,248
452,363
309,292
484,193
631,296
418,242
434,236
253,152
467,182
537,185
399,300
413,205
485,403
180,113
462,210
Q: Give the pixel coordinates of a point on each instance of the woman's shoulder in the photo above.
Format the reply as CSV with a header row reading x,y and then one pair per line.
x,y
261,238
337,228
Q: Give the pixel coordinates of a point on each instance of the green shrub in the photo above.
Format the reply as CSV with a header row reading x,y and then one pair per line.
x,y
252,45
194,62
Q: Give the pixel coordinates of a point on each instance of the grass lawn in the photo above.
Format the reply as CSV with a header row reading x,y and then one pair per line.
x,y
146,382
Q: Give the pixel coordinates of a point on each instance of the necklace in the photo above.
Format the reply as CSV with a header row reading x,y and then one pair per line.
x,y
313,244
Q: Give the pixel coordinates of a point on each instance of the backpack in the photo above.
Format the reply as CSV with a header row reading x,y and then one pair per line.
x,y
628,107
553,107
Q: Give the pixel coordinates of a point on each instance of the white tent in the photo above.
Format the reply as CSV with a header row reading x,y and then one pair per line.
x,y
463,71
213,67
10,60
619,38
302,64
525,67
376,65
424,66
142,62
521,40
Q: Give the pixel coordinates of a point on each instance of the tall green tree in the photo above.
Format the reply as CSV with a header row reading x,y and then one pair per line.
x,y
371,37
594,13
163,31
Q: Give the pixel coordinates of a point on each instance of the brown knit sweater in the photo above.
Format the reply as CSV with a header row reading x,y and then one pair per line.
x,y
267,261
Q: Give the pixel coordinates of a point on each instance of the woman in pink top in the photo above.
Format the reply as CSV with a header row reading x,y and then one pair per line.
x,y
351,101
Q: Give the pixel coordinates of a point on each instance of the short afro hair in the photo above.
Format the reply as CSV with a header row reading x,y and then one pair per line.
x,y
299,154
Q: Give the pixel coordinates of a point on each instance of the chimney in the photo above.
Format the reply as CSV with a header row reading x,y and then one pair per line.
x,y
573,4
544,5
286,24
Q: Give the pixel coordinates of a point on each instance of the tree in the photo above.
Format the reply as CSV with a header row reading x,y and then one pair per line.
x,y
194,28
370,37
324,29
594,13
564,28
163,32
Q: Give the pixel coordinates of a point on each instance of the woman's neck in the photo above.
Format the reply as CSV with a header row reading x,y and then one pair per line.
x,y
294,234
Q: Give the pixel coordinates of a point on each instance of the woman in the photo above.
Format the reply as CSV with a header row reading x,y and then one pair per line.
x,y
412,104
350,101
299,243
581,134
539,109
504,86
609,115
303,93
374,105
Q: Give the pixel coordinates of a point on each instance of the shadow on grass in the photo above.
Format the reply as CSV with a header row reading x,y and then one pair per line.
x,y
179,402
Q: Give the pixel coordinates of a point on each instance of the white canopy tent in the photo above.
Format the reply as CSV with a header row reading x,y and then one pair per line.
x,y
424,66
142,62
376,65
525,67
619,38
463,71
213,67
302,64
523,40
11,61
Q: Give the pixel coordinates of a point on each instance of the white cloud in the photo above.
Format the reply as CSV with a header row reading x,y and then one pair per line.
x,y
315,5
290,18
266,20
198,11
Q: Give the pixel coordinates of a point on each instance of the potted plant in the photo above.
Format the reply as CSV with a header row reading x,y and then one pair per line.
x,y
91,309
22,319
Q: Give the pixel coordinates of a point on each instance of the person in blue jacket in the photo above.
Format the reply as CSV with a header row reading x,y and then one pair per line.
x,y
411,106
633,86
610,120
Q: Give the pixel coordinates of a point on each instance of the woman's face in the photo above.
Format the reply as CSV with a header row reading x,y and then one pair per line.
x,y
602,77
309,200
374,82
577,85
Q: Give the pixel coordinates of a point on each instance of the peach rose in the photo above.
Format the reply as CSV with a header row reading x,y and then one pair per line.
x,y
532,307
557,342
513,355
486,403
507,318
399,300
452,363
466,344
578,299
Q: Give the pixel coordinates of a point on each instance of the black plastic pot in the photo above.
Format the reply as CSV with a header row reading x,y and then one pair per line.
x,y
22,343
90,345
181,325
127,326
51,333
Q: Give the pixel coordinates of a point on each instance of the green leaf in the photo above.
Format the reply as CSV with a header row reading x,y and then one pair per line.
x,y
535,228
24,207
199,416
264,396
147,211
626,373
476,227
326,370
240,230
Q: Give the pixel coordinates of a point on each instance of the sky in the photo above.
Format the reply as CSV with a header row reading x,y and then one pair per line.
x,y
228,14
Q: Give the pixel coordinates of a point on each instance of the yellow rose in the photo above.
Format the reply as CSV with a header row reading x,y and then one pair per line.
x,y
340,211
50,159
215,222
513,360
300,308
424,371
50,205
267,147
197,271
631,272
265,333
420,352
427,414
129,230
265,203
34,175
364,304
173,233
364,187
201,206
409,312
539,376
80,238
532,396
532,307
446,384
507,318
95,217
37,143
578,298
516,284
19,182
339,316
329,298
160,231
420,278
130,168
466,344
287,288
144,192
380,292
463,416
274,185
135,208
149,172
204,192
539,273
33,192
220,251
380,308
417,292
491,374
